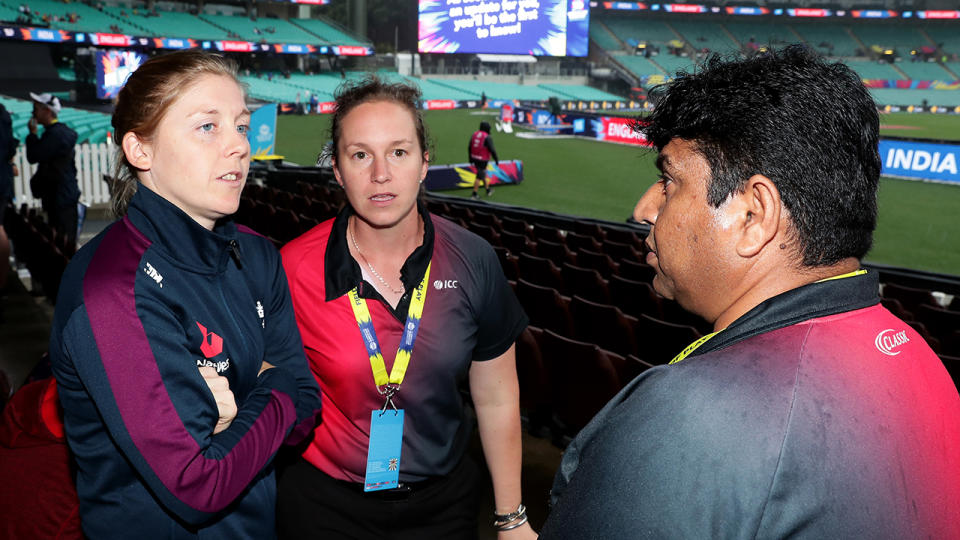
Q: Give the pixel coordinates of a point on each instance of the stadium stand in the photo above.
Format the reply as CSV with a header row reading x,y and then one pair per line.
x,y
828,38
170,23
704,35
632,30
869,69
902,38
925,71
762,33
328,32
602,36
90,126
639,65
267,30
76,17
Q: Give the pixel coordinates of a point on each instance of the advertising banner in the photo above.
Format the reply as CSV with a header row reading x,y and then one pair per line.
x,y
113,67
263,131
535,27
922,161
618,129
462,175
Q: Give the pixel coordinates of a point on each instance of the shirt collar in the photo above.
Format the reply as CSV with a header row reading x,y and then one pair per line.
x,y
178,234
342,273
811,301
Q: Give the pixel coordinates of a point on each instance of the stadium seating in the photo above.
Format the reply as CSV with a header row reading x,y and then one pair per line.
x,y
901,38
762,33
925,71
868,69
174,24
603,37
583,378
91,126
78,17
639,65
632,30
328,32
267,30
705,35
838,41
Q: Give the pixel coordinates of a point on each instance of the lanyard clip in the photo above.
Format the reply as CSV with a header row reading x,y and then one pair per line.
x,y
388,391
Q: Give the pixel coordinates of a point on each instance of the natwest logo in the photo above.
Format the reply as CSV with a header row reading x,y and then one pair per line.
x,y
212,344
889,339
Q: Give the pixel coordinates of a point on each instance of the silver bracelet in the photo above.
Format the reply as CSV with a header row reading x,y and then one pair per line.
x,y
514,525
506,522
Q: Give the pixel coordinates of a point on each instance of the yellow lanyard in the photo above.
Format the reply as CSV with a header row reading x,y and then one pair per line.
x,y
841,276
389,385
696,344
692,347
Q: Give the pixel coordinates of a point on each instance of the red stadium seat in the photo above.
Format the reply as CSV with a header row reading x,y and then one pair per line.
x,y
583,379
545,306
584,282
634,297
604,325
540,271
659,341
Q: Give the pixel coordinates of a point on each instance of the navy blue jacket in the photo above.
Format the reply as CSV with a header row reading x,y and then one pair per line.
x,y
142,305
8,147
55,181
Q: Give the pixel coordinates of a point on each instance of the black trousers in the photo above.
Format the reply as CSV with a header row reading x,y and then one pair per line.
x,y
64,220
314,505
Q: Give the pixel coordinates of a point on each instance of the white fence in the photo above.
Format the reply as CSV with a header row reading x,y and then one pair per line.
x,y
93,161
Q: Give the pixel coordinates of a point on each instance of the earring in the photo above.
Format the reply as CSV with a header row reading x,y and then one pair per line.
x,y
421,180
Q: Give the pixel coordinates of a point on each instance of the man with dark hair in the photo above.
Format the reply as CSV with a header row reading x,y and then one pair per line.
x,y
55,182
811,411
481,150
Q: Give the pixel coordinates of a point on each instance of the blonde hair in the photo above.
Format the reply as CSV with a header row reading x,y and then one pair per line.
x,y
145,98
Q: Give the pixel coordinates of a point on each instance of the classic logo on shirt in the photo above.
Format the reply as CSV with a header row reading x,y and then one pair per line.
x,y
154,275
888,340
211,346
441,284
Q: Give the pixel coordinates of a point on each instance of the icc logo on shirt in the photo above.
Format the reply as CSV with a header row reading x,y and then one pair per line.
x,y
441,284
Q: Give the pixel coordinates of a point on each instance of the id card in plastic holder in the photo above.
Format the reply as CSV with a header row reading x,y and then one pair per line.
x,y
383,454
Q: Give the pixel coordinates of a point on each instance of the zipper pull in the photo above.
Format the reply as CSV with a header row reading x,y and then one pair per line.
x,y
235,253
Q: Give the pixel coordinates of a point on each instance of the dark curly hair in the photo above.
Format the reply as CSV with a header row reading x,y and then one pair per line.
x,y
808,125
372,88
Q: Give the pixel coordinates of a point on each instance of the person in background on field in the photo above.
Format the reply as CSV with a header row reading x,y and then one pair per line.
x,y
55,182
811,411
174,345
386,276
481,150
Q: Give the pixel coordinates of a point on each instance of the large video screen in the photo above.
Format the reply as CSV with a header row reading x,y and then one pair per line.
x,y
113,67
537,27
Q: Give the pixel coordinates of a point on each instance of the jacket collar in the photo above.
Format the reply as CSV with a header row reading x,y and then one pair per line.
x,y
183,239
342,273
810,301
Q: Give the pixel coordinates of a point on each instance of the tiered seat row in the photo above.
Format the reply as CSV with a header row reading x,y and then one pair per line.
x,y
38,247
